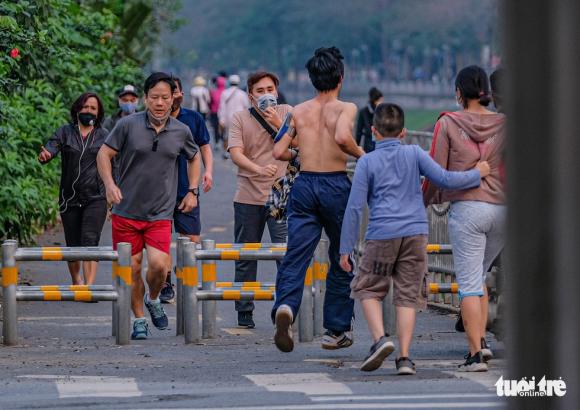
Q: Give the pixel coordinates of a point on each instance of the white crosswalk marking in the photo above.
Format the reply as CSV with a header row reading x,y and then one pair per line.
x,y
91,386
391,397
237,331
307,383
358,406
486,379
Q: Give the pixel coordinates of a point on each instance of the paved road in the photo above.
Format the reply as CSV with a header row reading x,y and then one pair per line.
x,y
67,359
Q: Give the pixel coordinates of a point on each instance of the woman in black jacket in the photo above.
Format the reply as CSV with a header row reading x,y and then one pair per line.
x,y
82,201
364,122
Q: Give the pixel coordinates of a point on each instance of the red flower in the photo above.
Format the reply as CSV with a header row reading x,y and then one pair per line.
x,y
14,52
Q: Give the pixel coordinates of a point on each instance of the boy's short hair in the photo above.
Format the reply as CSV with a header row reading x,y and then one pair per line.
x,y
325,68
389,119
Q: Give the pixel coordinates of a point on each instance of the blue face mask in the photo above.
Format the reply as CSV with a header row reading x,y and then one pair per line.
x,y
128,108
373,138
266,100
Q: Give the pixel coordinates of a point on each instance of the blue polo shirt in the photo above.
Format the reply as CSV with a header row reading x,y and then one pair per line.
x,y
198,129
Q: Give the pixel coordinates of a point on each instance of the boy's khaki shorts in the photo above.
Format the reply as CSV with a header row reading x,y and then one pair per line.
x,y
403,259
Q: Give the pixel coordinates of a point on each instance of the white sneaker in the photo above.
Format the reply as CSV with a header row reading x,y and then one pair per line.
x,y
486,352
333,341
283,336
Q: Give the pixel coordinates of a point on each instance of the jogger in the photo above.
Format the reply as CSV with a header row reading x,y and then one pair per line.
x,y
318,200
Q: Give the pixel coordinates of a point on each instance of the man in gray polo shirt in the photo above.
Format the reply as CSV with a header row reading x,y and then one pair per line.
x,y
147,145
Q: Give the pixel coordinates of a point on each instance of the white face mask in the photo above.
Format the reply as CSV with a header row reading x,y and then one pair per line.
x,y
458,103
265,101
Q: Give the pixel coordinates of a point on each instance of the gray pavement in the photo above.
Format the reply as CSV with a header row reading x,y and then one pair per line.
x,y
67,358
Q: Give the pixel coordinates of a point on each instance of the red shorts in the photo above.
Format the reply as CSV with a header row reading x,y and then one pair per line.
x,y
140,233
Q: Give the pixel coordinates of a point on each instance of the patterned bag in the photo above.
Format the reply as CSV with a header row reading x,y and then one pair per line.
x,y
280,192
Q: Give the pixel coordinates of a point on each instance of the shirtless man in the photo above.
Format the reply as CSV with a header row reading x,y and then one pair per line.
x,y
318,200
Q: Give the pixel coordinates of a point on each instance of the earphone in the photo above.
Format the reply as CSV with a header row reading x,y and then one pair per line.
x,y
84,145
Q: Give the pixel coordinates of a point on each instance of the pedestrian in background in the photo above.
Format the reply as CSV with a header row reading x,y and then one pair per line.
x,y
188,223
232,100
363,135
128,100
496,80
200,98
82,203
215,94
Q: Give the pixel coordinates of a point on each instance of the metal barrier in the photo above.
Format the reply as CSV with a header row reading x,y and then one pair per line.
x,y
443,288
441,267
189,292
249,245
309,322
119,293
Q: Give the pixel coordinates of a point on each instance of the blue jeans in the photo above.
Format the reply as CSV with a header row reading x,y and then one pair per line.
x,y
317,200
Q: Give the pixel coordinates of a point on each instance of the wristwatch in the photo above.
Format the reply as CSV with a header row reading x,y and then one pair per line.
x,y
194,191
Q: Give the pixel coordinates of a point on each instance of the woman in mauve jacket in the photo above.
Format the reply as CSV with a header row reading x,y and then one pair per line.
x,y
476,217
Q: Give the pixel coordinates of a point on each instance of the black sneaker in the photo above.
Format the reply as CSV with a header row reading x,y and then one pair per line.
x,y
158,316
473,363
459,324
167,294
405,366
378,353
246,319
486,352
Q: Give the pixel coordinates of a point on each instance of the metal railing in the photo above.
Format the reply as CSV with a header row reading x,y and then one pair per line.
x,y
309,322
119,293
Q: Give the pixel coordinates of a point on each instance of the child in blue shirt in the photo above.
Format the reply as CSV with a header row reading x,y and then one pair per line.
x,y
388,179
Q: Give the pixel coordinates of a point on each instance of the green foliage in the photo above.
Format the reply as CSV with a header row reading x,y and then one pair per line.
x,y
141,23
64,48
420,119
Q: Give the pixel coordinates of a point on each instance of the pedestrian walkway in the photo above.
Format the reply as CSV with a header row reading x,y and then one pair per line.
x,y
67,357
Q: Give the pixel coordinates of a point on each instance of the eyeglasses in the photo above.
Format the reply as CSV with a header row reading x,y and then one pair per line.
x,y
155,143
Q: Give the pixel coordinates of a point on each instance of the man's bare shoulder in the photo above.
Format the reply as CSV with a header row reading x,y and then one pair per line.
x,y
348,106
302,107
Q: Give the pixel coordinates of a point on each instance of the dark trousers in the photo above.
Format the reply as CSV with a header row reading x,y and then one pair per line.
x,y
214,121
249,224
317,200
83,224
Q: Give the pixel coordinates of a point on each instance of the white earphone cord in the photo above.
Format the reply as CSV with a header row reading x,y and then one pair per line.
x,y
66,201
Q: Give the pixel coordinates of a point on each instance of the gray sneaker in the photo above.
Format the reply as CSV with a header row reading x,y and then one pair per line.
x,y
405,366
140,329
158,316
486,352
283,336
378,353
333,340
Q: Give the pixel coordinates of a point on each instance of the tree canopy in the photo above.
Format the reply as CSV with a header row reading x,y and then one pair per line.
x,y
249,34
51,51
